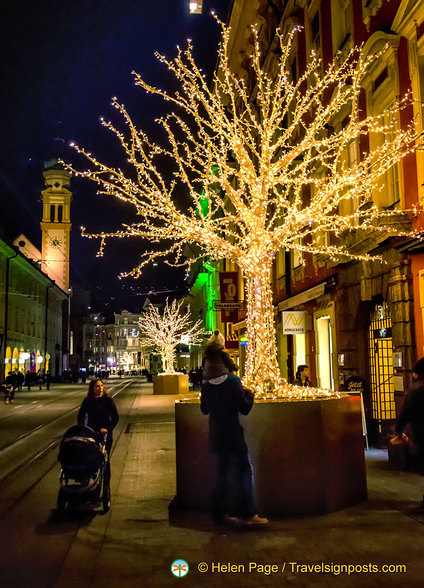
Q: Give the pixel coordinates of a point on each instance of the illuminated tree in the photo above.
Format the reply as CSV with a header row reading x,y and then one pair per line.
x,y
255,175
126,359
165,330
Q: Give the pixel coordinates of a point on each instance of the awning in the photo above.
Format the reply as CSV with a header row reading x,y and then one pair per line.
x,y
303,297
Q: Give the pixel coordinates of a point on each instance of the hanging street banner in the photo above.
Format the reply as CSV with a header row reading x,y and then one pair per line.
x,y
294,322
228,285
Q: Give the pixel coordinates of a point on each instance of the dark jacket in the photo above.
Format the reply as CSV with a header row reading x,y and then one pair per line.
x,y
305,384
98,413
412,412
223,403
216,362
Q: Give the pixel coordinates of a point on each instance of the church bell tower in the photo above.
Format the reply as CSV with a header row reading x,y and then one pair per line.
x,y
56,225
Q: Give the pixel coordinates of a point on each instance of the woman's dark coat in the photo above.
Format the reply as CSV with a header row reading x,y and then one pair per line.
x,y
223,403
98,413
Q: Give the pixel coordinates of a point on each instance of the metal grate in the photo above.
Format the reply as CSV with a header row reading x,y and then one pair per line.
x,y
380,353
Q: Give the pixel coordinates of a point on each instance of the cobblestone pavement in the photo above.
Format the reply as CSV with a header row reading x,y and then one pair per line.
x,y
136,543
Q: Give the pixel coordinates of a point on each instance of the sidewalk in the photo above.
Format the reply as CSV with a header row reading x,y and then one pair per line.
x,y
136,543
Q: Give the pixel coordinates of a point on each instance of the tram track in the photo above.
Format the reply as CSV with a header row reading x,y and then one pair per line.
x,y
33,406
21,471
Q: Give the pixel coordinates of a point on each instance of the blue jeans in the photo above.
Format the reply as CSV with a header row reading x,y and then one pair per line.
x,y
242,469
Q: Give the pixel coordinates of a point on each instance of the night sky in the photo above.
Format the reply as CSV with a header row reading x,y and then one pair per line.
x,y
61,62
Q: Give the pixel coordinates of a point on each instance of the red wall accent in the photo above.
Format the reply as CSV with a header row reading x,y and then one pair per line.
x,y
417,263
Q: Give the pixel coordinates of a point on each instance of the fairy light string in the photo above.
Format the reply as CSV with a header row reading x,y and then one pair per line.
x,y
245,165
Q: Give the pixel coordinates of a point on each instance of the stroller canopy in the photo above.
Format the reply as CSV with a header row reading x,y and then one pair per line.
x,y
81,451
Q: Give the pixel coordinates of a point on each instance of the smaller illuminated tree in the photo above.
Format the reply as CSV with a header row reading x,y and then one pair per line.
x,y
126,359
164,331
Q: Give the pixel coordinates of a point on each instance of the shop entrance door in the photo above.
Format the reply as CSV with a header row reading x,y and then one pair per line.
x,y
325,351
380,347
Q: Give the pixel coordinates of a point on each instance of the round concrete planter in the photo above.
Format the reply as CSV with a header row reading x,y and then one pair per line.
x,y
307,456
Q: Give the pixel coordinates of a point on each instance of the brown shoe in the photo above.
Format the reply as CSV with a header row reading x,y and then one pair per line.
x,y
233,520
256,521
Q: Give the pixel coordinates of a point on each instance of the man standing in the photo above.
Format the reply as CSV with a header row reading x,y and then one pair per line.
x,y
412,413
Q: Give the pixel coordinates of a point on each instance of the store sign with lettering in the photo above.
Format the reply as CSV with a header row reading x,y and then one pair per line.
x,y
294,322
228,283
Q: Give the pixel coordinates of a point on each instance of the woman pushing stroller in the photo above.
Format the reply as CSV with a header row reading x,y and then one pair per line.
x,y
98,411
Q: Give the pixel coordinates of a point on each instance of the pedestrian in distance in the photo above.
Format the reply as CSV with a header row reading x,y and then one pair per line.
x,y
412,414
223,398
29,379
20,378
302,376
11,382
11,379
7,392
98,411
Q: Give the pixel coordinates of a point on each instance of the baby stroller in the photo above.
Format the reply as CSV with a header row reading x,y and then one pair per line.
x,y
85,476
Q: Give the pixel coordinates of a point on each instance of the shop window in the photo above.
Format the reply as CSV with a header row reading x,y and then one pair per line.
x,y
299,351
325,345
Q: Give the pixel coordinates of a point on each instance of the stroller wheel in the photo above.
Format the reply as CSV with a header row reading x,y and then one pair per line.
x,y
63,503
106,498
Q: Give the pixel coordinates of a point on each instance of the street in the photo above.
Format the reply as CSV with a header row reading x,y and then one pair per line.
x,y
35,539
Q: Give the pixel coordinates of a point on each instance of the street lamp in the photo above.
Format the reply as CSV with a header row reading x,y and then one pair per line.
x,y
195,6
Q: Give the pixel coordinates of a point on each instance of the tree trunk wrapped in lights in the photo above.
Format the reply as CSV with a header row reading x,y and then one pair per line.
x,y
164,331
245,168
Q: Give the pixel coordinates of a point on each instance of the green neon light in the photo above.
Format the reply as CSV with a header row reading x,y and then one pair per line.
x,y
209,267
210,296
204,281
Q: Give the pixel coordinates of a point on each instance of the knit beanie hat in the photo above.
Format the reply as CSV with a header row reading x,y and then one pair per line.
x,y
217,337
419,367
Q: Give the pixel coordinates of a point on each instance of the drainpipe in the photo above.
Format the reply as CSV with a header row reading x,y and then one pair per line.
x,y
6,312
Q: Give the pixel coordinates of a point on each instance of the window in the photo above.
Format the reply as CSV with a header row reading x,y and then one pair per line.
x,y
280,263
297,255
392,175
341,16
315,38
351,158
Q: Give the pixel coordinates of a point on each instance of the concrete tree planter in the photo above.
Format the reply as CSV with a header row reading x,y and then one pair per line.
x,y
307,456
170,384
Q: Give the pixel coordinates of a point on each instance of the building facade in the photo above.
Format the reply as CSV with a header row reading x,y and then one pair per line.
x,y
358,325
33,316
